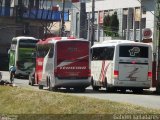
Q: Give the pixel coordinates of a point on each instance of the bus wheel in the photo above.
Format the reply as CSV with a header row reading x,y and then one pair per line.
x,y
68,89
106,85
95,88
49,86
138,90
108,89
54,89
40,86
80,89
123,90
31,81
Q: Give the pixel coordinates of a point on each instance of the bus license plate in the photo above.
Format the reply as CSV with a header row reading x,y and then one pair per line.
x,y
133,79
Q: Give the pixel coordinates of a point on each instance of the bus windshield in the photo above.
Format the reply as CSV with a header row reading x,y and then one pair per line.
x,y
26,53
27,43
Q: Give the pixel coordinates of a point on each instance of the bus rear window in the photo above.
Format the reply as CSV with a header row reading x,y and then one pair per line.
x,y
133,51
102,53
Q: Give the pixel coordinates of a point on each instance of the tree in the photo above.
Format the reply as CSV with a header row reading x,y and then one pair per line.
x,y
114,24
111,25
106,25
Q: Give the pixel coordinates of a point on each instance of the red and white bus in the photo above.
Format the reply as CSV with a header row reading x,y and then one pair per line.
x,y
63,62
40,54
121,65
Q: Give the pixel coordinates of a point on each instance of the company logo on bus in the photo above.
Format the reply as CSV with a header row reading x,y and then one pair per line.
x,y
13,47
134,51
73,68
72,49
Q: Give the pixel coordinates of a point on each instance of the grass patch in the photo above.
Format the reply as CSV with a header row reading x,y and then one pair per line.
x,y
16,100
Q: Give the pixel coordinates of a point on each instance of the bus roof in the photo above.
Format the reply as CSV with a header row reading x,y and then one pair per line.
x,y
55,39
24,37
117,42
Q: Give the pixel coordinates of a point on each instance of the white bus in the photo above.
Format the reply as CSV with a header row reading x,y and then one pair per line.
x,y
66,63
121,65
21,55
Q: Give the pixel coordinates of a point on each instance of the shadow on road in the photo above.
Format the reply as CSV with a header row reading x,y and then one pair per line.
x,y
103,91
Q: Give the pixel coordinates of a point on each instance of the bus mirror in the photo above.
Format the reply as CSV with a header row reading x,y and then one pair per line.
x,y
9,51
33,55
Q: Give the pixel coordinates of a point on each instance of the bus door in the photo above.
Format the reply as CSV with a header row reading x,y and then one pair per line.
x,y
134,63
73,60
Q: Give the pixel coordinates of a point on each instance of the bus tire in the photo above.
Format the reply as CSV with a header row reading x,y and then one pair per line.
x,y
40,87
54,89
108,89
95,88
138,90
50,88
106,85
123,90
32,83
80,89
49,85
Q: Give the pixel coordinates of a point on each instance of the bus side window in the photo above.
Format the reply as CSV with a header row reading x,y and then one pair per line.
x,y
51,52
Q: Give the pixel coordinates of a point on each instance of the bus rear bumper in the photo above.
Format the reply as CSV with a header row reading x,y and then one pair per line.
x,y
73,83
132,84
20,72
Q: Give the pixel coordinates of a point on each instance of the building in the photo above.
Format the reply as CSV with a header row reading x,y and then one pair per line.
x,y
79,24
133,15
28,18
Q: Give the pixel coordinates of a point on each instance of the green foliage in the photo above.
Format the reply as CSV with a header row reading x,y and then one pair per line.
x,y
111,25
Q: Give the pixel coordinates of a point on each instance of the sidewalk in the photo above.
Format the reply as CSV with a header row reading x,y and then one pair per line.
x,y
5,75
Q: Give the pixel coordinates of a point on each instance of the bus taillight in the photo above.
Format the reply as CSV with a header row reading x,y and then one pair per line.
x,y
150,75
116,73
133,62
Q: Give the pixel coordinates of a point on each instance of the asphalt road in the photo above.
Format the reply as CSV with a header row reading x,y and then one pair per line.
x,y
147,99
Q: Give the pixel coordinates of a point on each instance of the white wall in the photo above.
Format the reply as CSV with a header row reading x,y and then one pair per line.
x,y
148,5
112,4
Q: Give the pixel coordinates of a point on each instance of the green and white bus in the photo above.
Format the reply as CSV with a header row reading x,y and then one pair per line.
x,y
21,54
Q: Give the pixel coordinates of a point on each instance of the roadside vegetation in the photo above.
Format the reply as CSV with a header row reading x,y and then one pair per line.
x,y
20,101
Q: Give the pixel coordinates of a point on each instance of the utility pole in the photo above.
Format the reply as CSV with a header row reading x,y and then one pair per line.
x,y
92,23
62,18
158,66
